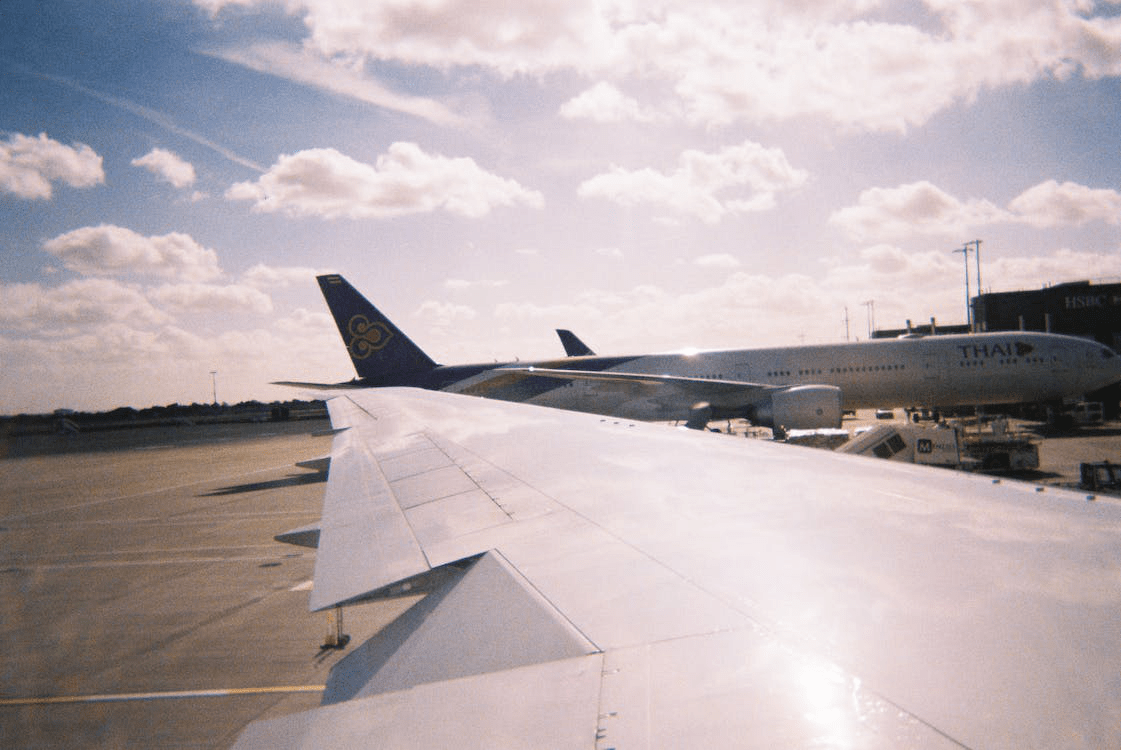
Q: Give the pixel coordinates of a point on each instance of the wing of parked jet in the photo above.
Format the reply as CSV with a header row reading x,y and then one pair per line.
x,y
319,386
599,583
804,406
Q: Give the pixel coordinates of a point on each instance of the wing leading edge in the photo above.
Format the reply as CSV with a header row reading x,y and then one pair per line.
x,y
609,584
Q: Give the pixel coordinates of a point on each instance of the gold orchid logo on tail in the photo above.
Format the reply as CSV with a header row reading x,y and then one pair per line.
x,y
366,337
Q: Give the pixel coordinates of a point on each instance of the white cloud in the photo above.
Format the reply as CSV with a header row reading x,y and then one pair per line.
x,y
567,313
443,314
529,37
28,165
883,270
886,260
82,302
724,315
767,63
717,260
605,103
730,61
168,166
263,276
614,253
915,208
339,77
923,208
692,189
460,284
311,322
197,297
1051,204
323,182
109,249
1016,272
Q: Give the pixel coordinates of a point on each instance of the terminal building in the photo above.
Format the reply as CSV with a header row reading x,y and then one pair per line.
x,y
1077,308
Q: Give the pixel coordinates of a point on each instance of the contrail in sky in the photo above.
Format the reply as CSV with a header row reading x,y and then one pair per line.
x,y
150,115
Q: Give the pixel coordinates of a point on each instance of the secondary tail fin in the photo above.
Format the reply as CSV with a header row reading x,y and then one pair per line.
x,y
573,346
376,346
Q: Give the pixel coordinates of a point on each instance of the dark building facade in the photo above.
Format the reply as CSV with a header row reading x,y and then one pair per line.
x,y
1077,308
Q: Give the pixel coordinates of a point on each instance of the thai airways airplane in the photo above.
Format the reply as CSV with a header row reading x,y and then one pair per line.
x,y
803,387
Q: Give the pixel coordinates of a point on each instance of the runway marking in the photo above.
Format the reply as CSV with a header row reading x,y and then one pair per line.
x,y
142,563
166,550
165,695
305,586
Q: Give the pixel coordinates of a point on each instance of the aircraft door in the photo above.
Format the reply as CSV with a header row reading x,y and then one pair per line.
x,y
931,383
1060,364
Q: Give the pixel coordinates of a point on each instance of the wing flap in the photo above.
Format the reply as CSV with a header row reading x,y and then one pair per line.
x,y
488,605
528,678
550,705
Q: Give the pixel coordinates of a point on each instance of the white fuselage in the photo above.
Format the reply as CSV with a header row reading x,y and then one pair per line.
x,y
934,371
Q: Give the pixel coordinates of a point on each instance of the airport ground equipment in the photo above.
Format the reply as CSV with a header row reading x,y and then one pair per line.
x,y
988,446
1100,476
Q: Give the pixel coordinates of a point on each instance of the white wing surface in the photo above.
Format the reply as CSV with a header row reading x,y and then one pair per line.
x,y
597,583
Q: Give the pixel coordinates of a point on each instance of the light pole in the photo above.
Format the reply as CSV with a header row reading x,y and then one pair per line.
x,y
871,305
977,252
214,385
964,250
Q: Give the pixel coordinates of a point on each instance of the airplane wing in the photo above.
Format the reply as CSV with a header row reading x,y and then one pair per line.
x,y
702,399
349,385
598,583
727,394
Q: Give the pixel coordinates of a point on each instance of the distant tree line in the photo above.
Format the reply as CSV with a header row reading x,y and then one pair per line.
x,y
125,417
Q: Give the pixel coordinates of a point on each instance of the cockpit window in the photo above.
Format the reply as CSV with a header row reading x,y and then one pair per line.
x,y
1107,353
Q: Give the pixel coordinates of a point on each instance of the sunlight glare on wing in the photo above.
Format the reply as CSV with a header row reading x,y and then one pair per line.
x,y
830,700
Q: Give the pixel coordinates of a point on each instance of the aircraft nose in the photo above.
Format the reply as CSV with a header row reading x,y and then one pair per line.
x,y
1112,364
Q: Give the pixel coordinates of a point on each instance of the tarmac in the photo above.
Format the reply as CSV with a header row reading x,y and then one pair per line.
x,y
146,604
144,601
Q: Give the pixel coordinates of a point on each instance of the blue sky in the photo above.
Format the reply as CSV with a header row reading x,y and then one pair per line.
x,y
655,176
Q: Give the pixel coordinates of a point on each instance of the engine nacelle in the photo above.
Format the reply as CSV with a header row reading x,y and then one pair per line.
x,y
801,407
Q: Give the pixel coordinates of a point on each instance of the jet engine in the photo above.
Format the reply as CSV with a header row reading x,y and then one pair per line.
x,y
801,407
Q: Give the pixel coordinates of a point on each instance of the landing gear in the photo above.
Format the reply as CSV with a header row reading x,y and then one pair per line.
x,y
336,639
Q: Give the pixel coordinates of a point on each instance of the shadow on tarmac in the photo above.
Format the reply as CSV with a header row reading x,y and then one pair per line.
x,y
292,480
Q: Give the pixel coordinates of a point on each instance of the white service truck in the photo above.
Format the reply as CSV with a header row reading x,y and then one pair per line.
x,y
991,447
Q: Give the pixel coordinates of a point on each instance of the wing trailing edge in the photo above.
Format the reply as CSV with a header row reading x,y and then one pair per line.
x,y
518,642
